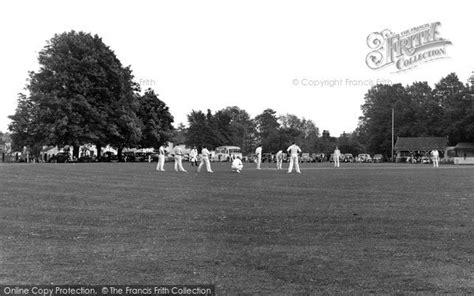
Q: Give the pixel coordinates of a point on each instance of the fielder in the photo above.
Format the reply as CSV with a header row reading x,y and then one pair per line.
x,y
178,159
337,155
279,158
258,152
293,150
161,159
193,156
205,160
435,158
237,165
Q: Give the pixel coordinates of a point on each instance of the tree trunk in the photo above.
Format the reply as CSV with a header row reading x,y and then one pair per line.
x,y
75,151
98,150
119,152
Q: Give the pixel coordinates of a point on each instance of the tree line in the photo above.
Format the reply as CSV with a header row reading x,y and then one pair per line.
x,y
82,94
447,110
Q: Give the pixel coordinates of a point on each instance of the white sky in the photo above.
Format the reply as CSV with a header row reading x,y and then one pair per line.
x,y
213,54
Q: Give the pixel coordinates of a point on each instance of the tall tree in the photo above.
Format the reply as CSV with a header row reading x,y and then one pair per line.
x,y
156,120
375,123
238,126
81,94
456,101
199,133
268,130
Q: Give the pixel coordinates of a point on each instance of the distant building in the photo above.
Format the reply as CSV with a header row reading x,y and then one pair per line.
x,y
464,153
418,147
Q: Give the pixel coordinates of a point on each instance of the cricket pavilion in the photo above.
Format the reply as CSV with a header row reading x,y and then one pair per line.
x,y
462,153
415,148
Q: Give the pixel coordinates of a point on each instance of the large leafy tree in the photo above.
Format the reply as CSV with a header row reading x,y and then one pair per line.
x,y
229,126
376,120
156,120
302,131
81,94
236,127
268,130
457,109
200,133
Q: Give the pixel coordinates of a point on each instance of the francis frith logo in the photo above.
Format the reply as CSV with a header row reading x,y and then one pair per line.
x,y
407,49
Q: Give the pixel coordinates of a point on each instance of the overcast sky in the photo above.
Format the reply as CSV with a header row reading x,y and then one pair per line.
x,y
253,54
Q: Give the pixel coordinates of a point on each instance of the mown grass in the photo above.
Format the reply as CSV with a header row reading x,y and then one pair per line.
x,y
363,228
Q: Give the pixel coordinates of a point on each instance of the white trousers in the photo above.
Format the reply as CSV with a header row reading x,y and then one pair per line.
x,y
259,161
178,163
279,164
294,161
336,161
205,160
435,162
161,163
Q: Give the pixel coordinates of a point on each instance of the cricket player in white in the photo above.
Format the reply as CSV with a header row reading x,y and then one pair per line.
x,y
178,159
258,152
205,160
293,150
337,155
279,158
193,156
435,158
161,159
237,165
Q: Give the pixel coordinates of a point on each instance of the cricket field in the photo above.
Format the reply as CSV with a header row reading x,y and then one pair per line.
x,y
373,228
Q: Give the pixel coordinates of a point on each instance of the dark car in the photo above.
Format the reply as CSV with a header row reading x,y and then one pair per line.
x,y
86,158
378,158
140,157
109,157
61,157
267,157
128,156
306,157
348,157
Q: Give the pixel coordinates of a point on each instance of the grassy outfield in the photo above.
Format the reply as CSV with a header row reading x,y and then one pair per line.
x,y
377,228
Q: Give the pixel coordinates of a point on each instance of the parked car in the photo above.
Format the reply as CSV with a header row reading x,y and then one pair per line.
x,y
319,157
140,157
305,157
348,157
129,156
251,158
109,157
226,153
425,159
363,158
267,157
87,158
378,158
61,157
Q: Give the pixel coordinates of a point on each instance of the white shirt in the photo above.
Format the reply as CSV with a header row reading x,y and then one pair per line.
x,y
435,153
193,153
258,151
178,150
236,163
337,153
279,155
161,151
294,150
205,153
